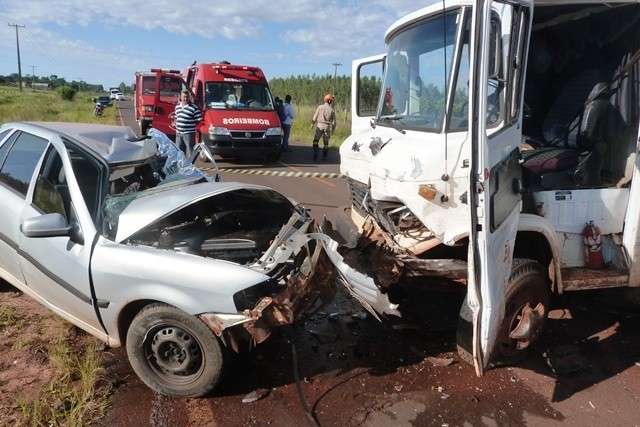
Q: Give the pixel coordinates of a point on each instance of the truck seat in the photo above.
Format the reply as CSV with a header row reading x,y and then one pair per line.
x,y
558,167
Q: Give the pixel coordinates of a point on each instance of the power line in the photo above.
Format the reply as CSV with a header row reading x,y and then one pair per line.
x,y
16,26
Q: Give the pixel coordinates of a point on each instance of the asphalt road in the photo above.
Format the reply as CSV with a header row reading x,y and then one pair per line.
x,y
323,196
585,371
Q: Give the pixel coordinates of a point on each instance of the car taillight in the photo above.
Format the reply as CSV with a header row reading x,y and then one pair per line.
x,y
148,108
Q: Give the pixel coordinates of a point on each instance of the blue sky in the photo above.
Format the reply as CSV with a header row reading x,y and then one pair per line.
x,y
106,41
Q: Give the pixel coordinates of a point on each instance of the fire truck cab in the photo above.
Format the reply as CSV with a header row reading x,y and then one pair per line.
x,y
500,151
156,94
239,114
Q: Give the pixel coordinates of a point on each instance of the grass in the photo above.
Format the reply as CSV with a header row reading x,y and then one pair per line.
x,y
77,396
47,105
8,317
303,131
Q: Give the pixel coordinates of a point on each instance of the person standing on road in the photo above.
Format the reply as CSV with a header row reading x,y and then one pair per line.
x,y
324,121
289,115
188,116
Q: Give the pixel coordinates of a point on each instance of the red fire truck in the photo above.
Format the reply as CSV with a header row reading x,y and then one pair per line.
x,y
238,110
157,93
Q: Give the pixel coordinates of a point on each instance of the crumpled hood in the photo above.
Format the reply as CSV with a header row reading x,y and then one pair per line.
x,y
148,209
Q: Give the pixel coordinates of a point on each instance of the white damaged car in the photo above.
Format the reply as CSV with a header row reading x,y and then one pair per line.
x,y
129,241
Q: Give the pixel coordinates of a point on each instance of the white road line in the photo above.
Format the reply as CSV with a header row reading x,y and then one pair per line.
x,y
283,174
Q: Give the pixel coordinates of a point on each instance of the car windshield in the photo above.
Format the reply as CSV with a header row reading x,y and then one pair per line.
x,y
104,98
418,66
166,170
239,96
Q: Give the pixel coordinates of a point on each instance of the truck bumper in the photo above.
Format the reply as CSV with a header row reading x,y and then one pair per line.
x,y
227,146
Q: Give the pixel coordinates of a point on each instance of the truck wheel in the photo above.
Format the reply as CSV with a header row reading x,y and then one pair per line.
x,y
526,309
174,353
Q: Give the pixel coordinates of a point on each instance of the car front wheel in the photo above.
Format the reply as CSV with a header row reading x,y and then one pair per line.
x,y
174,353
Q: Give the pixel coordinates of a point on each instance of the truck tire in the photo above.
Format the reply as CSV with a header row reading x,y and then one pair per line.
x,y
527,291
527,286
174,353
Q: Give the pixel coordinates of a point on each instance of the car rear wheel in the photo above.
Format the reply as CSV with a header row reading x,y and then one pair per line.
x,y
174,353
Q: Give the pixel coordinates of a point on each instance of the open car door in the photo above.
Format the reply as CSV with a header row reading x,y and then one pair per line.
x,y
366,84
499,34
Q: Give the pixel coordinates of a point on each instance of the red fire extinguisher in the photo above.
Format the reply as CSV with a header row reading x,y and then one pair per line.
x,y
592,246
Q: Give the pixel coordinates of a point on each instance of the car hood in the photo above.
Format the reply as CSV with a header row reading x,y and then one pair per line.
x,y
150,208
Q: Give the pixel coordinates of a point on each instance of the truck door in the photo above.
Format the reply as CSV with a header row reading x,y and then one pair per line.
x,y
366,83
500,33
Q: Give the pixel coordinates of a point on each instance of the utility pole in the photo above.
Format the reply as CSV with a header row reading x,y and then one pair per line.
x,y
335,75
33,70
16,26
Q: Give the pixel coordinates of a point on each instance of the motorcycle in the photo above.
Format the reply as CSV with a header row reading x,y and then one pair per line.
x,y
98,110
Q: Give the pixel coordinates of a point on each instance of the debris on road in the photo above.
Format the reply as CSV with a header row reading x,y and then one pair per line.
x,y
440,361
565,359
255,395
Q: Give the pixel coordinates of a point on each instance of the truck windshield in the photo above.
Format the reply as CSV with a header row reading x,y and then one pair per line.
x,y
239,96
418,66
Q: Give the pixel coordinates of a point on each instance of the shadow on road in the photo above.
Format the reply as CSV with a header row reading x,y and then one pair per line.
x,y
298,156
589,341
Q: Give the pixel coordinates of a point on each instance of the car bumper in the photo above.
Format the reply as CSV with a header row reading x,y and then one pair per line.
x,y
228,146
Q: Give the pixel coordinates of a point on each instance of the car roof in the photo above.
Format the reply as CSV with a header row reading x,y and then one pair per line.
x,y
114,144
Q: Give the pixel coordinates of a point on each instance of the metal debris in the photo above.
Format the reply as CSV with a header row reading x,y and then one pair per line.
x,y
255,395
440,361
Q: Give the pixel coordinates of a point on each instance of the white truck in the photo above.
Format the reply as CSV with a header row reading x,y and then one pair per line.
x,y
503,134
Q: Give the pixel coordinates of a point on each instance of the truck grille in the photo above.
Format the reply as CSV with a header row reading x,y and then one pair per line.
x,y
247,134
359,192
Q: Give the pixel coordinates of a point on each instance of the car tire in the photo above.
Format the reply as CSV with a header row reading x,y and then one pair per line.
x,y
174,353
527,285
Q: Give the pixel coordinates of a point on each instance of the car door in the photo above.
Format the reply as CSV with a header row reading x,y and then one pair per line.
x,y
500,32
57,268
366,84
14,180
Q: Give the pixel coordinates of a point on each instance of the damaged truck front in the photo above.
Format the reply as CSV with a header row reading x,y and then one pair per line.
x,y
486,149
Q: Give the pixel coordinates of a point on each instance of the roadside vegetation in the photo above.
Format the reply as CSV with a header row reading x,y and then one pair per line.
x,y
303,130
51,373
308,91
49,105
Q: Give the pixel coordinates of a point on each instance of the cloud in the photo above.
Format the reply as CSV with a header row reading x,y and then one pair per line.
x,y
313,31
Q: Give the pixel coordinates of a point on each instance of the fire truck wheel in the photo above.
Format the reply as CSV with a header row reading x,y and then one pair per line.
x,y
174,353
525,313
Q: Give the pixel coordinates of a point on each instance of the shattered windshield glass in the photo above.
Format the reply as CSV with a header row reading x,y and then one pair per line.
x,y
169,168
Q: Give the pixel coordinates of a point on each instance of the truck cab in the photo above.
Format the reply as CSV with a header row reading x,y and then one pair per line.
x,y
494,144
156,94
239,112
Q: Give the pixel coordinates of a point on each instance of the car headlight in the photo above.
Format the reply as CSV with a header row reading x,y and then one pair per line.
x,y
148,108
220,131
273,132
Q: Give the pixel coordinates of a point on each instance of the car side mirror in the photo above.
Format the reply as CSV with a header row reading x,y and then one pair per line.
x,y
51,225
